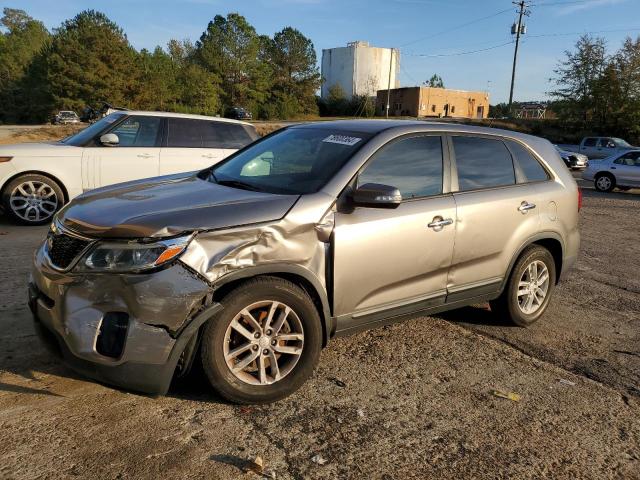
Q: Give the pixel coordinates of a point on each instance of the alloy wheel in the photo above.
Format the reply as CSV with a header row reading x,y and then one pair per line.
x,y
33,201
533,287
603,183
263,343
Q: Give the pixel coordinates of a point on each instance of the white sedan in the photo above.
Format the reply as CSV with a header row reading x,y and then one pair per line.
x,y
36,179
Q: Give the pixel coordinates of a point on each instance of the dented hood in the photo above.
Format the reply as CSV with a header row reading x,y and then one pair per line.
x,y
165,206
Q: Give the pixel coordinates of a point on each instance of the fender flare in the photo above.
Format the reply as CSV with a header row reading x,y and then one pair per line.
x,y
546,235
289,269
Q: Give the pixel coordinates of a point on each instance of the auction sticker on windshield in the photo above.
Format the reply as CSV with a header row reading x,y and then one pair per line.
x,y
342,139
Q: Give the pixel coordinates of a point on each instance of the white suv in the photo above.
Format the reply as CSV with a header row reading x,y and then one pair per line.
x,y
36,179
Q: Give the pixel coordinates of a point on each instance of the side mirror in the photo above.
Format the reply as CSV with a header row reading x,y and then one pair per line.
x,y
110,140
376,195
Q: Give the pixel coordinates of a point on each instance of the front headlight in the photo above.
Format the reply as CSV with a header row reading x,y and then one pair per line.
x,y
120,257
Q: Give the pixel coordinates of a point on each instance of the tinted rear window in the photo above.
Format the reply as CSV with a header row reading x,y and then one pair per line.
x,y
226,135
530,168
192,133
482,163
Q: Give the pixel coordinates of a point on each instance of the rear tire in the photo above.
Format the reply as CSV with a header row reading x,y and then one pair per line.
x,y
282,328
529,287
604,182
32,199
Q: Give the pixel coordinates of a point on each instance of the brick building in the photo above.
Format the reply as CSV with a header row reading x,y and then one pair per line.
x,y
433,102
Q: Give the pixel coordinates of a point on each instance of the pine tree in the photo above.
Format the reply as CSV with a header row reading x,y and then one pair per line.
x,y
23,39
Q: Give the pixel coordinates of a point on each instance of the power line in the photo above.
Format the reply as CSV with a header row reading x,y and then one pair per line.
x,y
542,35
469,52
569,2
457,27
408,74
632,29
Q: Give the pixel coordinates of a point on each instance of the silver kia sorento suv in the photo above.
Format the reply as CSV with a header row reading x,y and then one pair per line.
x,y
317,230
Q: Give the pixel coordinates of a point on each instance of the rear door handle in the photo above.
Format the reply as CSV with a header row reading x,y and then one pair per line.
x,y
208,155
526,206
145,155
438,223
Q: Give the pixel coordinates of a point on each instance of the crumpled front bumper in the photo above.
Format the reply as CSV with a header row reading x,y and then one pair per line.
x,y
162,312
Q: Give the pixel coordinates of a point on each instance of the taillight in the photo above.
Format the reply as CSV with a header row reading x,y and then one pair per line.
x,y
579,198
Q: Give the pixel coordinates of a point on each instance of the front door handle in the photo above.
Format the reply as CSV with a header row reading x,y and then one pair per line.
x,y
438,223
208,155
525,207
145,155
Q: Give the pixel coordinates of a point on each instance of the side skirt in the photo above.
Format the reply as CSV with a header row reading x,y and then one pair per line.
x,y
349,324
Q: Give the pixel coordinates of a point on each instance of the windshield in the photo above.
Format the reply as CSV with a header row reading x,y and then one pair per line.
x,y
81,138
620,142
294,161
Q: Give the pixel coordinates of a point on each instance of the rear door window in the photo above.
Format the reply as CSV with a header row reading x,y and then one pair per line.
x,y
413,165
482,163
590,142
530,169
184,133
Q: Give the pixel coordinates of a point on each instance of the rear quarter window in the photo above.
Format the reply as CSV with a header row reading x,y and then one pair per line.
x,y
530,170
226,135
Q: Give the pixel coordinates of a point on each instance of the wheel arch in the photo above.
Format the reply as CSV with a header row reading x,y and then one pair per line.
x,y
293,273
549,240
65,192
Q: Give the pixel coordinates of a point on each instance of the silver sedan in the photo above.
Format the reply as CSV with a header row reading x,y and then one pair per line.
x,y
618,171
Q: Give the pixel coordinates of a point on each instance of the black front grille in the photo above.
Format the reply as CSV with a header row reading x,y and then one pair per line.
x,y
63,249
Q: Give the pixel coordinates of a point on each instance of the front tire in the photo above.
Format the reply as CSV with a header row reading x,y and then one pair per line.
x,y
529,287
264,344
605,182
32,199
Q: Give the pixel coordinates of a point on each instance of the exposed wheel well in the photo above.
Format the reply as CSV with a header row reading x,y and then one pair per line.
x,y
44,174
299,280
555,248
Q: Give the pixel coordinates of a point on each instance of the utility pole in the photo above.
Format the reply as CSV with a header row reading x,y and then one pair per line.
x,y
519,30
389,82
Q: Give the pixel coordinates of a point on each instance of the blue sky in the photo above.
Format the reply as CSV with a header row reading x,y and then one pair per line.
x,y
422,29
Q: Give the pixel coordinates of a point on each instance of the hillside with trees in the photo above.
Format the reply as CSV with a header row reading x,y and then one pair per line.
x,y
88,60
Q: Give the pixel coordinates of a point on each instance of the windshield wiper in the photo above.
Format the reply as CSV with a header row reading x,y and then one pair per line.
x,y
237,184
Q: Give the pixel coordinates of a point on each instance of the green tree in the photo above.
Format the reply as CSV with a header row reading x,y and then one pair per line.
x,y
21,39
435,81
88,61
295,73
197,89
158,86
577,75
230,48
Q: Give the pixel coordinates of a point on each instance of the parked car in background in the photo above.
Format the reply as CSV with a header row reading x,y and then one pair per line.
x,y
601,147
36,179
238,113
314,231
92,115
572,160
619,171
64,117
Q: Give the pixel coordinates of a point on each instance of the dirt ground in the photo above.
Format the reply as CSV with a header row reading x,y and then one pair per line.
x,y
412,400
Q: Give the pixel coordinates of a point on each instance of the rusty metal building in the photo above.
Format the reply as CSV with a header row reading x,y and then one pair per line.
x,y
433,102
